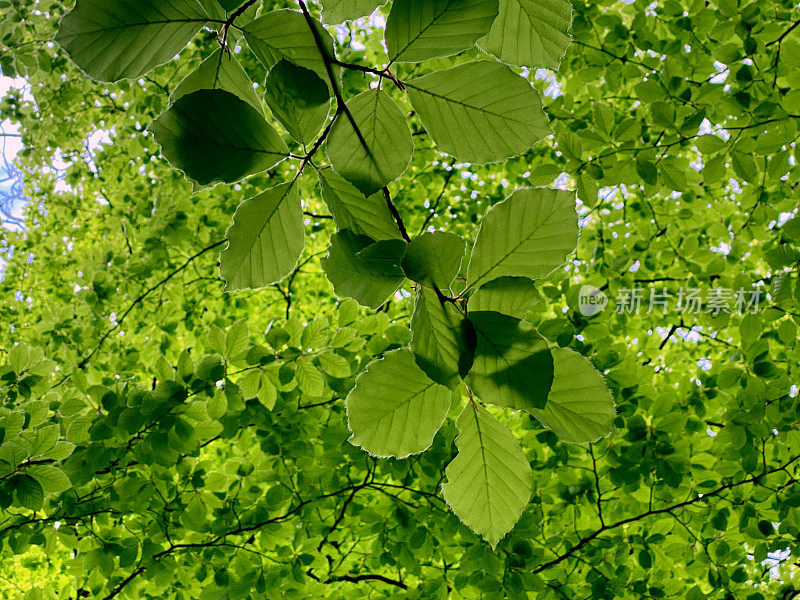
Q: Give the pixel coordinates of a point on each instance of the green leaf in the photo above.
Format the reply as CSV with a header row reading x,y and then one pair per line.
x,y
417,31
530,234
237,339
335,12
29,491
60,451
744,166
13,452
512,296
530,33
265,241
479,112
267,393
579,407
376,147
220,10
230,5
489,481
299,99
310,379
434,259
358,268
18,358
214,136
647,171
395,410
285,34
52,479
220,71
353,210
335,365
513,366
442,339
123,39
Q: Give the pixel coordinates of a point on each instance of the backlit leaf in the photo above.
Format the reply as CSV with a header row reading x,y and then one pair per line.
x,y
512,296
265,241
417,31
299,99
434,259
220,71
529,234
285,34
122,39
531,33
442,340
358,268
375,147
338,11
479,112
579,407
489,482
354,211
395,409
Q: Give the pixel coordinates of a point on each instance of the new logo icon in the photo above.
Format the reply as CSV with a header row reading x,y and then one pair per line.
x,y
591,301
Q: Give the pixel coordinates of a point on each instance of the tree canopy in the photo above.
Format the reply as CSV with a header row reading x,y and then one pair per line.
x,y
442,299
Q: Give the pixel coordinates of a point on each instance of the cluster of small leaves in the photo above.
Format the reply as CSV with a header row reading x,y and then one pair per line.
x,y
215,130
115,276
29,441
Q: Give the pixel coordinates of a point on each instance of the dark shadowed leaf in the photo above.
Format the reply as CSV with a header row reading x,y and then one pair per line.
x,y
434,259
214,136
513,366
299,99
362,269
442,338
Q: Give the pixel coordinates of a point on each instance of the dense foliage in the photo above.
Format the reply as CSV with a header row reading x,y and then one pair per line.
x,y
392,222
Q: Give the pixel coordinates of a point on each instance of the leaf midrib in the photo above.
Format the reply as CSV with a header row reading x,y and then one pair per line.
x,y
265,223
509,253
465,105
484,465
420,34
137,24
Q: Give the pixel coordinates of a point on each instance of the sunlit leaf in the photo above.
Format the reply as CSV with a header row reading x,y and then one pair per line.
x,y
375,147
395,409
417,31
123,39
531,33
220,71
489,481
529,234
354,211
479,112
265,240
579,406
